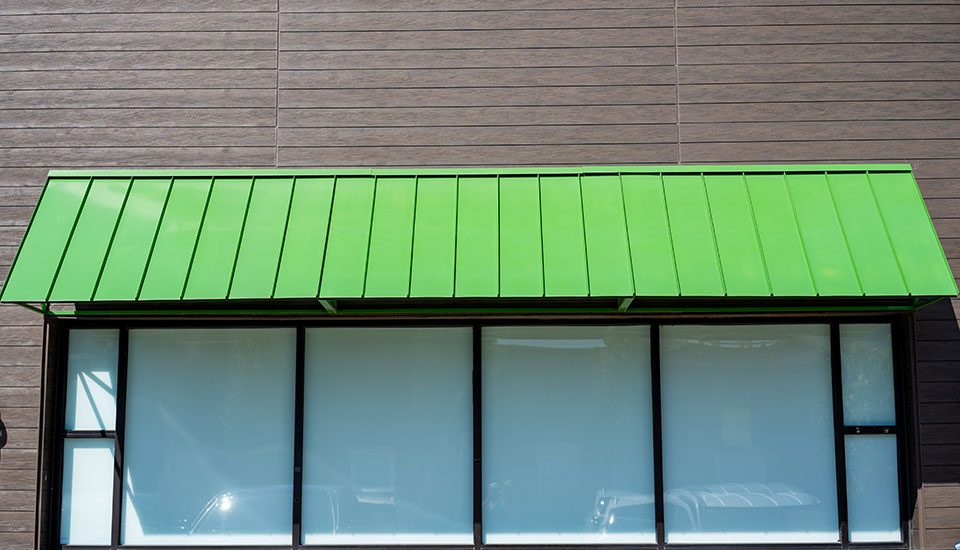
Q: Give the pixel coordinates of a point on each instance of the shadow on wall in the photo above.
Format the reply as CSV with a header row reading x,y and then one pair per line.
x,y
3,435
938,372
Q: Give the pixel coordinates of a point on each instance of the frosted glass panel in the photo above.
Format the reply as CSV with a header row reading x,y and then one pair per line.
x,y
91,380
209,437
388,436
873,499
87,491
867,361
748,448
567,435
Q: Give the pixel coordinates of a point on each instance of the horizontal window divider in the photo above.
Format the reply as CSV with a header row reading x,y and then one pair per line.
x,y
89,434
870,430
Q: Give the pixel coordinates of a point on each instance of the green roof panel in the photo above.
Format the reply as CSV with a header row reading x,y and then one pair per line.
x,y
771,232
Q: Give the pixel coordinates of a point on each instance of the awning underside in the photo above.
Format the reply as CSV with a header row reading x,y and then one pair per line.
x,y
623,232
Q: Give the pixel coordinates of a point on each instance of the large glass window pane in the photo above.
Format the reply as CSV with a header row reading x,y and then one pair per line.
x,y
567,435
867,367
388,436
873,497
91,380
87,500
748,445
209,436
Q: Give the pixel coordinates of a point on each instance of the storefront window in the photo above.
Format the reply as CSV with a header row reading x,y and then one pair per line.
x,y
567,435
209,436
748,445
580,434
388,436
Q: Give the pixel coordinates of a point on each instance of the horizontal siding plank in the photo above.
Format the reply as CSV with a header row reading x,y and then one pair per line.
x,y
426,59
169,40
479,97
477,20
832,91
310,6
19,397
17,196
127,99
773,111
941,496
15,216
120,22
939,474
814,34
699,55
18,177
944,413
17,501
940,455
818,131
121,137
134,6
735,3
818,151
17,541
938,330
20,316
106,79
19,417
943,208
19,366
487,116
68,157
479,155
939,434
17,480
326,40
458,78
138,118
476,135
21,522
56,61
816,15
17,335
942,538
940,518
846,71
933,188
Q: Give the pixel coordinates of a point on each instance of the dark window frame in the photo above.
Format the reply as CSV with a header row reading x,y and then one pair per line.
x,y
55,376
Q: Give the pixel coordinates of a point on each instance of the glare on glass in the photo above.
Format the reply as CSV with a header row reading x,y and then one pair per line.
x,y
388,436
866,353
873,496
87,493
748,448
91,379
208,454
567,435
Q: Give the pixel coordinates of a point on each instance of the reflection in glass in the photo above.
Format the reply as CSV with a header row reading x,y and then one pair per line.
x,y
873,498
209,437
388,436
87,500
748,449
867,367
91,375
567,435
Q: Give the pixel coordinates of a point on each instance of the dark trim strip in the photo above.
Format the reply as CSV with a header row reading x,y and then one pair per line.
x,y
121,401
838,432
657,434
298,440
477,438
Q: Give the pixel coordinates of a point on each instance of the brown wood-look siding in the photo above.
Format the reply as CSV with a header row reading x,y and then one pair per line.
x,y
247,83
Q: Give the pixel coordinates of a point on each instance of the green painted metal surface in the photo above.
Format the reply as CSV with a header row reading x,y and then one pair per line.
x,y
391,238
127,259
622,231
305,238
259,255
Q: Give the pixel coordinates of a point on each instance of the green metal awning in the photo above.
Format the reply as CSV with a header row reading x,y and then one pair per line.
x,y
625,232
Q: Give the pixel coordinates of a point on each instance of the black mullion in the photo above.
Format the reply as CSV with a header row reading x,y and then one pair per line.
x,y
56,462
871,430
477,440
89,434
657,434
298,441
121,404
838,432
900,376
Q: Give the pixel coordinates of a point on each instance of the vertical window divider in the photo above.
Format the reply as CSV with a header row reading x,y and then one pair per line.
x,y
121,401
838,432
296,531
657,434
56,462
477,440
901,376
